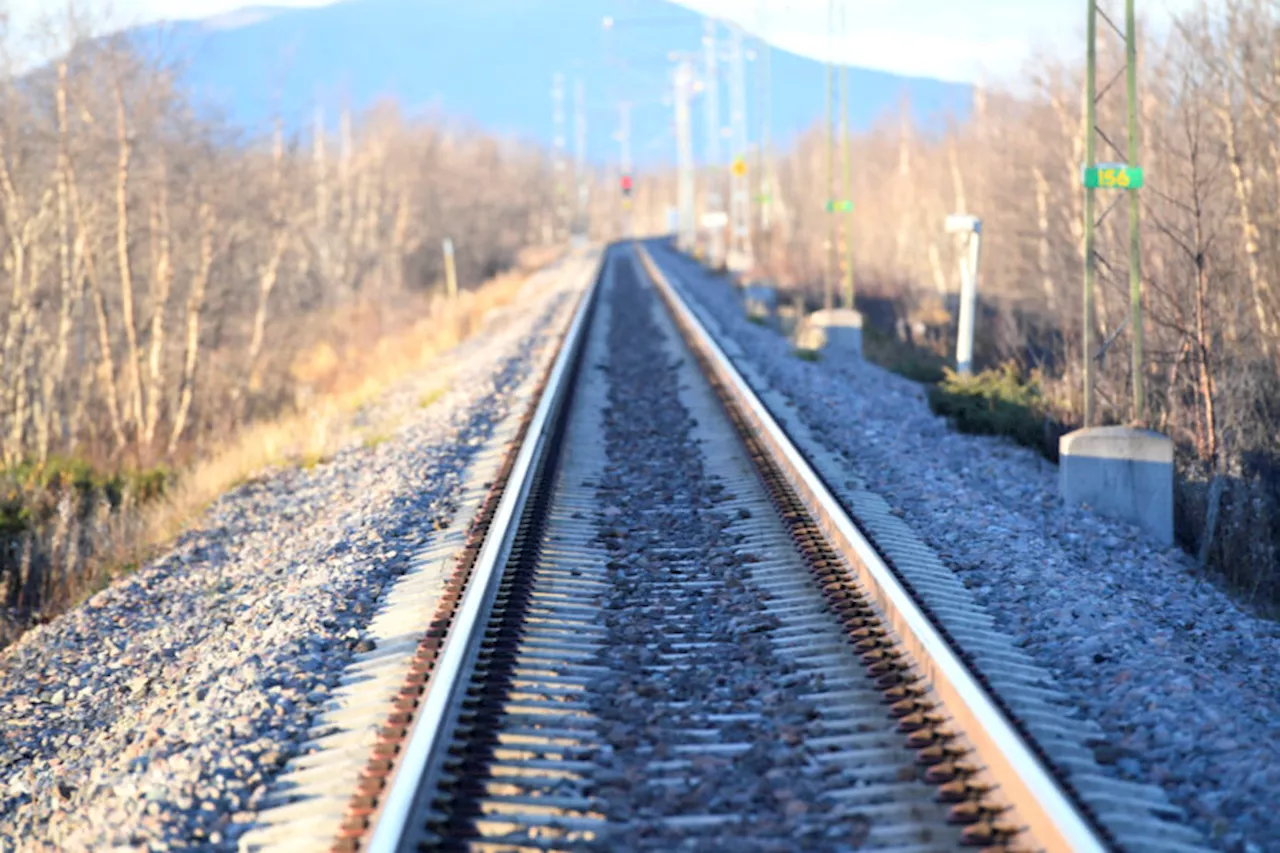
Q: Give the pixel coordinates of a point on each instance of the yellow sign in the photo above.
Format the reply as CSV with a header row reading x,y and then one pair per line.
x,y
739,167
1113,178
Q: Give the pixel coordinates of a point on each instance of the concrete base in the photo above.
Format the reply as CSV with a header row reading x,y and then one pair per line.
x,y
1121,472
839,331
761,302
737,262
789,319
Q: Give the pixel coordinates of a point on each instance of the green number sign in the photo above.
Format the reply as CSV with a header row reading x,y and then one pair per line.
x,y
844,206
1113,176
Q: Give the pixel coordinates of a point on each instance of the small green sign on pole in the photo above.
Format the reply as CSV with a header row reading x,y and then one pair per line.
x,y
844,206
1112,176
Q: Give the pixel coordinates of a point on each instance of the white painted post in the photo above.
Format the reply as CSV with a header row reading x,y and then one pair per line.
x,y
971,228
450,270
971,298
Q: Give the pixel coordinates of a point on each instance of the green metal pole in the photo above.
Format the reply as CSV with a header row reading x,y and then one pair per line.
x,y
1135,256
848,177
1090,157
829,285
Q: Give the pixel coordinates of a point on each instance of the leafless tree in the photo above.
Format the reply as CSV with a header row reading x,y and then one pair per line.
x,y
161,268
1210,145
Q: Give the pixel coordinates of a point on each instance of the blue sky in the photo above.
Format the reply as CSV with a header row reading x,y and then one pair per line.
x,y
949,39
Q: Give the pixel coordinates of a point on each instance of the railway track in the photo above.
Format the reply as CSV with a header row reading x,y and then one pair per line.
x,y
664,632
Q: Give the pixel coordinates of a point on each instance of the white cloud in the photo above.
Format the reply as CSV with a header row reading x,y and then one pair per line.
x,y
950,39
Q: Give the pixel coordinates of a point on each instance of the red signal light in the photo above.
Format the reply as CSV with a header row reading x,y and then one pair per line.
x,y
626,184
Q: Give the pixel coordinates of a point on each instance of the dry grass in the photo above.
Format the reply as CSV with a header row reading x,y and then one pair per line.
x,y
356,358
340,377
353,363
431,397
535,257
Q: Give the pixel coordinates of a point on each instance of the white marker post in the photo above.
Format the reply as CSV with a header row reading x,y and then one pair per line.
x,y
450,270
715,221
971,228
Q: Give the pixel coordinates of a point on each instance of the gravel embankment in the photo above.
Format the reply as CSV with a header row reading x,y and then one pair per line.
x,y
155,716
1185,683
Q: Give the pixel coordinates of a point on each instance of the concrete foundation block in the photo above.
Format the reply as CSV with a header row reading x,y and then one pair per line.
x,y
737,262
1121,472
838,331
761,302
788,319
808,336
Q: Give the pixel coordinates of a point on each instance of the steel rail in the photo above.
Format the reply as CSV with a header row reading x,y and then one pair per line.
x,y
1039,802
431,720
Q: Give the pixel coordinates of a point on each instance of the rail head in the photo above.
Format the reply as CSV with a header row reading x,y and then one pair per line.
x,y
431,720
1050,816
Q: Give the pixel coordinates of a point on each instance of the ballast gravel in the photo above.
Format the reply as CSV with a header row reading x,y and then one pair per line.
x,y
1185,683
706,722
154,716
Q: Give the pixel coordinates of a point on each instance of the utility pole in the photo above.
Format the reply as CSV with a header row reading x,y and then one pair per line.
x,y
561,167
711,107
1090,160
970,228
740,198
1126,177
624,157
828,299
684,155
765,149
845,163
1135,248
580,155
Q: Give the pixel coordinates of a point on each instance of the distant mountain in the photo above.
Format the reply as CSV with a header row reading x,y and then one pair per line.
x,y
490,63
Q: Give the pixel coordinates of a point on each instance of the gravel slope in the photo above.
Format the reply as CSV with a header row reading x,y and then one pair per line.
x,y
156,715
1186,684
